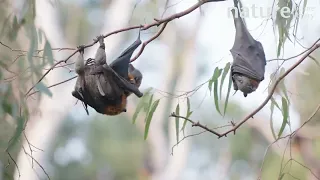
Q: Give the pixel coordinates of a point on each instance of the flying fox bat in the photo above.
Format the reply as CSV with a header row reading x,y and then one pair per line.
x,y
104,105
117,82
249,60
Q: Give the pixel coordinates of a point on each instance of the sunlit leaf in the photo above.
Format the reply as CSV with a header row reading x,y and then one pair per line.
x,y
177,122
285,114
44,89
224,75
149,118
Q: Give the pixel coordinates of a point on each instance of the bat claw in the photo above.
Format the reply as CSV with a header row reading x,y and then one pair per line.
x,y
80,48
89,61
100,39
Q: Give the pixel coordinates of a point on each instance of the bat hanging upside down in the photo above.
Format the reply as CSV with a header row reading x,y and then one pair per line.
x,y
106,88
249,61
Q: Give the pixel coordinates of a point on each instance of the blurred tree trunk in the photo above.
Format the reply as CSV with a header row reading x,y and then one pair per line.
x,y
42,128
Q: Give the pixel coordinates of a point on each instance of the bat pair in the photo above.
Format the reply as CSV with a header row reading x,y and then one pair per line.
x,y
105,87
249,61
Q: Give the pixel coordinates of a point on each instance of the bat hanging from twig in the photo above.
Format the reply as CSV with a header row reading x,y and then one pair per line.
x,y
249,61
107,87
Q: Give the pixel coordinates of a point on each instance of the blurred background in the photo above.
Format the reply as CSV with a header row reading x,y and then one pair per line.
x,y
60,141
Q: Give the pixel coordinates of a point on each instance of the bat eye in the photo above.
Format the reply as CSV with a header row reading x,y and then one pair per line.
x,y
240,81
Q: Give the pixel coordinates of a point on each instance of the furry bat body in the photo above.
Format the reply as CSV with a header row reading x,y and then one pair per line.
x,y
249,60
116,82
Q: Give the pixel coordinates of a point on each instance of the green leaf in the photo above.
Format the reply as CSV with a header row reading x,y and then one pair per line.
x,y
185,121
282,85
285,113
224,74
283,23
314,60
40,35
177,122
215,76
17,133
149,117
48,52
227,98
189,112
275,103
5,26
305,2
33,46
147,107
42,88
216,98
150,102
142,103
210,86
14,29
188,105
271,120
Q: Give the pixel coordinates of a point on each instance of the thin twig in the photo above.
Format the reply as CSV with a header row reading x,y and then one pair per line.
x,y
53,85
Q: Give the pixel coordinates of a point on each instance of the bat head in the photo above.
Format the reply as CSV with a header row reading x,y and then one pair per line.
x,y
135,76
244,84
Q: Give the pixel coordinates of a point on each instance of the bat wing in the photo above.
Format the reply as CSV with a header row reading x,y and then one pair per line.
x,y
121,64
248,54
